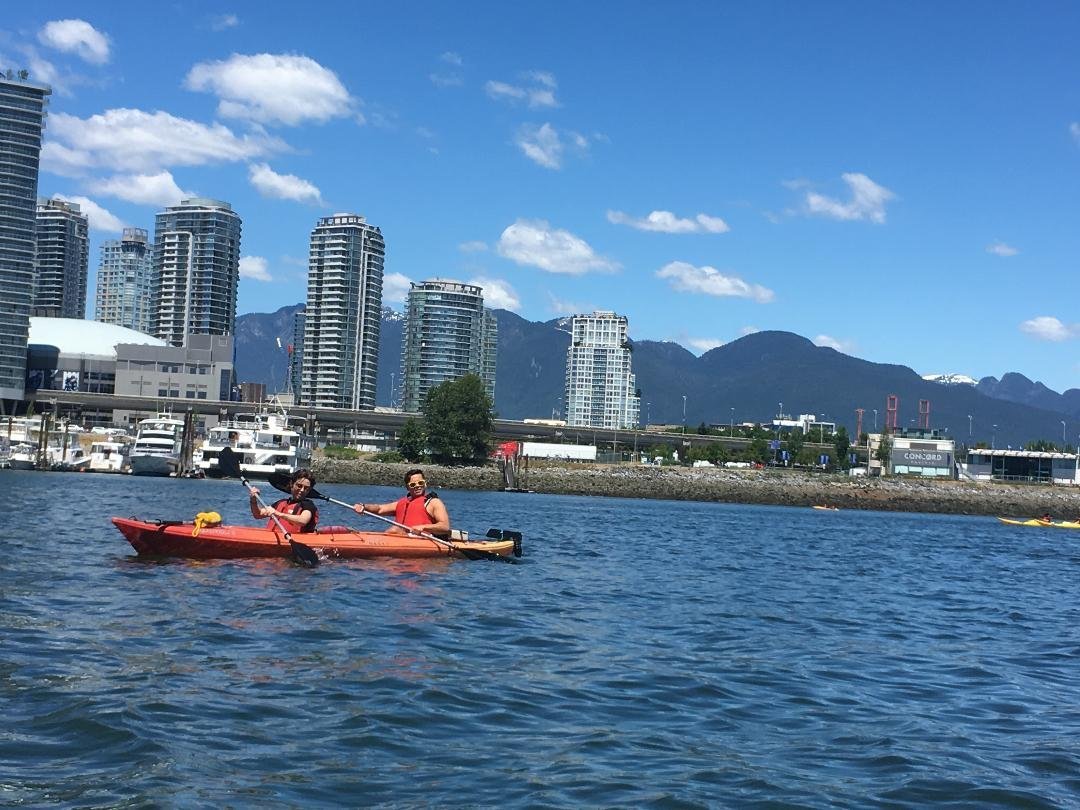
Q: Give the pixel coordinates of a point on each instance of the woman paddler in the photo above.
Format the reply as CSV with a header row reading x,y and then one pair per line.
x,y
296,512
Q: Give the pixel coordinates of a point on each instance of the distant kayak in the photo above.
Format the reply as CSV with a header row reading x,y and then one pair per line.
x,y
169,539
1056,524
828,508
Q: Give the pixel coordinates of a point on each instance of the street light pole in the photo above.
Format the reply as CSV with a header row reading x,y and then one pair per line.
x,y
684,414
993,437
969,425
1062,435
731,432
875,420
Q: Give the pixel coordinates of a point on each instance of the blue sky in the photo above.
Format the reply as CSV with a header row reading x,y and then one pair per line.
x,y
898,181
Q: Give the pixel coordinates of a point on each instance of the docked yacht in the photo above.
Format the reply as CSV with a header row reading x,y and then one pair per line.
x,y
109,456
23,456
157,446
266,442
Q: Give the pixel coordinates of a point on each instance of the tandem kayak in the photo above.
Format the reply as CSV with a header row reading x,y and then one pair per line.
x,y
176,539
1056,524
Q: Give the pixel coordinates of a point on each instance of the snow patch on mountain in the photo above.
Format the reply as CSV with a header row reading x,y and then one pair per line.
x,y
950,379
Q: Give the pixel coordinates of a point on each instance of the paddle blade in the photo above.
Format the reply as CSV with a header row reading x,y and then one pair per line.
x,y
229,463
282,481
304,555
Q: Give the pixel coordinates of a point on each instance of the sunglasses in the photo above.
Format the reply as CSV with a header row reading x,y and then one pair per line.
x,y
412,484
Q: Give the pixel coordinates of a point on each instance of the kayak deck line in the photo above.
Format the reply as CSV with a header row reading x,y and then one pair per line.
x,y
179,539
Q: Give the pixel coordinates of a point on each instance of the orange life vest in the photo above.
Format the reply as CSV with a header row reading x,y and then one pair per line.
x,y
291,507
412,510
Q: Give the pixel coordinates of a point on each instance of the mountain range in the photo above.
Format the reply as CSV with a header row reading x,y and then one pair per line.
x,y
750,379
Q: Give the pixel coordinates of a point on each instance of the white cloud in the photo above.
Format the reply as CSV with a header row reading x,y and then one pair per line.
x,y
446,79
254,267
867,201
1074,129
143,189
537,244
1047,327
473,247
498,294
137,141
1001,249
829,342
78,37
224,22
539,90
667,222
702,345
273,88
748,330
559,306
452,58
541,145
282,186
710,281
395,288
101,219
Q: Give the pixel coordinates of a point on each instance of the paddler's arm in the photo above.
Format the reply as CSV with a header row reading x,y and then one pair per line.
x,y
375,508
302,518
437,512
256,510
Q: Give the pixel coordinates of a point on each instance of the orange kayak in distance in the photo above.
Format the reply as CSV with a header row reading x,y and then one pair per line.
x,y
180,539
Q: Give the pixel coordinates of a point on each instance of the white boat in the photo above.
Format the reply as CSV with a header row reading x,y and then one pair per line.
x,y
23,456
74,459
157,446
109,456
266,442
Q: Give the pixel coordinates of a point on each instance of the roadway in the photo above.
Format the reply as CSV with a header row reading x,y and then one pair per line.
x,y
388,422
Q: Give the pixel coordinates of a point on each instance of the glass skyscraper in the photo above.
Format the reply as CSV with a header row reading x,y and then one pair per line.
x,y
61,257
342,314
196,270
600,390
22,119
122,294
448,334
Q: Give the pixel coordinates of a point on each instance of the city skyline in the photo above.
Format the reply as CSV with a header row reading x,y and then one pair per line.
x,y
721,170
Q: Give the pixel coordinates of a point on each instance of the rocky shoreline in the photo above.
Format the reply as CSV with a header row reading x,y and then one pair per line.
x,y
773,487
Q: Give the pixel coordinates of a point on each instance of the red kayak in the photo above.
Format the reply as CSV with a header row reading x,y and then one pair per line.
x,y
176,539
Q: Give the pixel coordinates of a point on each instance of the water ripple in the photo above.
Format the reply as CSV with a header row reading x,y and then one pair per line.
x,y
644,654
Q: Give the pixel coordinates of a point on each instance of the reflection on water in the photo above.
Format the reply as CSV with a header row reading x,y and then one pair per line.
x,y
642,653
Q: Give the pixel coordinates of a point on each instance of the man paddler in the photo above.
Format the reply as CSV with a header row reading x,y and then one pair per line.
x,y
418,509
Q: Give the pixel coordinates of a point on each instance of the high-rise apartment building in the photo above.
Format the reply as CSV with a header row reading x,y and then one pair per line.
x,y
22,119
448,334
341,318
196,270
122,294
296,357
600,389
61,257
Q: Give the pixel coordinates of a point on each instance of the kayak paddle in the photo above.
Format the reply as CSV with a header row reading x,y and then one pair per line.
x,y
229,464
281,481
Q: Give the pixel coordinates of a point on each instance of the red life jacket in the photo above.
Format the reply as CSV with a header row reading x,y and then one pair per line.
x,y
293,508
412,510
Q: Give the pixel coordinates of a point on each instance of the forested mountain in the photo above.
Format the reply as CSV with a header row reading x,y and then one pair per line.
x,y
752,375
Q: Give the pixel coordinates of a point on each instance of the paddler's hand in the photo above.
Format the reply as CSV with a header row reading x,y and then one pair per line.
x,y
358,508
253,492
266,511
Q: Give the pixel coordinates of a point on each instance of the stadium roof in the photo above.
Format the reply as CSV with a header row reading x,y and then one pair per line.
x,y
77,337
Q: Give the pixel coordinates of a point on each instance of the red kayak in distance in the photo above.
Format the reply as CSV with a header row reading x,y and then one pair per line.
x,y
178,539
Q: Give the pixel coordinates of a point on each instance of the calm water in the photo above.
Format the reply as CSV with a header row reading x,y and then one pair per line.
x,y
642,654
